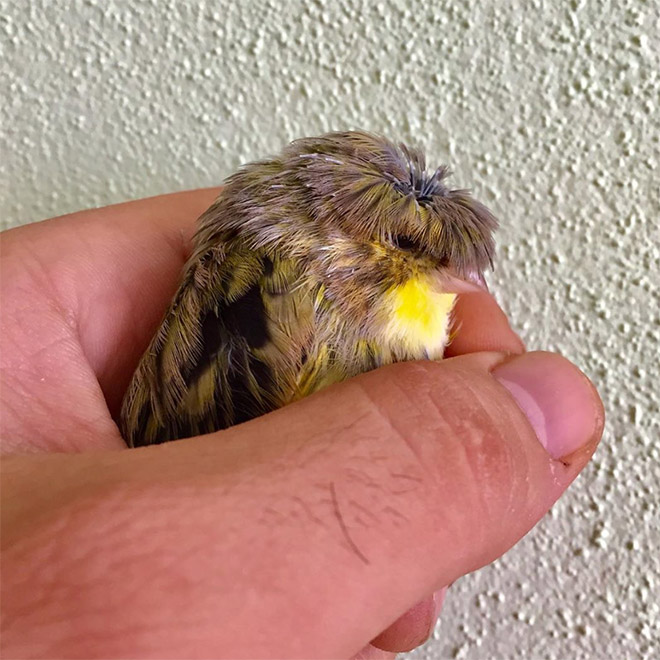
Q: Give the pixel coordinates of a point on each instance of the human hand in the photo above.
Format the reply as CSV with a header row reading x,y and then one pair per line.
x,y
304,533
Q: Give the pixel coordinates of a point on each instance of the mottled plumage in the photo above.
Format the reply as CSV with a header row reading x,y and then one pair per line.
x,y
327,261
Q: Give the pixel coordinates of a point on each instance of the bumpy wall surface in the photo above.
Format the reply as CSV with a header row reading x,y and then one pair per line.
x,y
547,110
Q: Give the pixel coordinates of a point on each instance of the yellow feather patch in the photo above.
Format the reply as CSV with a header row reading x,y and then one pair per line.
x,y
419,318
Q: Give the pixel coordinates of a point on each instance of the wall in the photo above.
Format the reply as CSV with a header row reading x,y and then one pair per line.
x,y
549,111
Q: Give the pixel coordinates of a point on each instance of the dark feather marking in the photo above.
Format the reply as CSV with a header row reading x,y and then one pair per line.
x,y
211,343
246,317
165,435
407,243
211,334
268,266
247,405
143,418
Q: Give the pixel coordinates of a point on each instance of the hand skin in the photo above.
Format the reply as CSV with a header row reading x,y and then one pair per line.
x,y
305,533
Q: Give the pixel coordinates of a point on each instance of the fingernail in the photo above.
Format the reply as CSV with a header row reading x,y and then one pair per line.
x,y
453,284
428,610
438,600
557,398
412,628
479,279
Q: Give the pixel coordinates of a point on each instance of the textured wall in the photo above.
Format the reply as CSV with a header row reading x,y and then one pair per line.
x,y
548,110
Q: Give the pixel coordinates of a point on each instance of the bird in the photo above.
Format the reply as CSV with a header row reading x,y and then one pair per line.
x,y
340,255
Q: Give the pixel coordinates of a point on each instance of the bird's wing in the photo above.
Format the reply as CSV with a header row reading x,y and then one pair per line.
x,y
229,348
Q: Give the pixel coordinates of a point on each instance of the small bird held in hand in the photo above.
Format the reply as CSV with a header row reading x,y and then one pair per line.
x,y
339,256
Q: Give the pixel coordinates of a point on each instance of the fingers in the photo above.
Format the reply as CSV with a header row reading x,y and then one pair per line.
x,y
107,272
414,627
135,274
481,325
223,545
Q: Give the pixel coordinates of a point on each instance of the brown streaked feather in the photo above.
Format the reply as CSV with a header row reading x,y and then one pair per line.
x,y
210,365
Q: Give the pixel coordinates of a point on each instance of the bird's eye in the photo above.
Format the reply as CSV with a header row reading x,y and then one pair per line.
x,y
406,243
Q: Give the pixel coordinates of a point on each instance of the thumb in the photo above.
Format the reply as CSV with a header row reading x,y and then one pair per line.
x,y
306,532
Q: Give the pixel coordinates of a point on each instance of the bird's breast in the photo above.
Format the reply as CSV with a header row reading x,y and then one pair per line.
x,y
418,315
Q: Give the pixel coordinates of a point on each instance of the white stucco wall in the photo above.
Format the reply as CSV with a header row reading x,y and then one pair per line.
x,y
548,110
